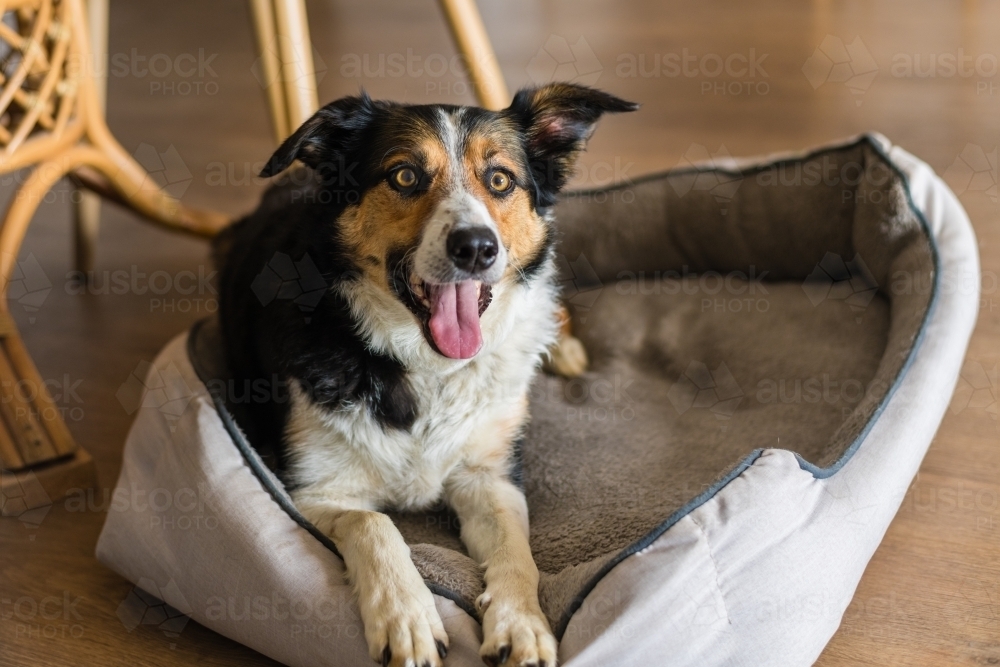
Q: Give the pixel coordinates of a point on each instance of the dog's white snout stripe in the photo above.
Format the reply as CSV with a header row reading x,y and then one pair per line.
x,y
459,210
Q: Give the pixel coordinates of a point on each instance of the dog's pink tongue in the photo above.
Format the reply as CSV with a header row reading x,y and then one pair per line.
x,y
454,321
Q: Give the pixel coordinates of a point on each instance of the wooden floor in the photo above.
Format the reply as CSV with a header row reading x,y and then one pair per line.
x,y
930,595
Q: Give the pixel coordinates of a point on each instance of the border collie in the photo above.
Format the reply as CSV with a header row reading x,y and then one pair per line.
x,y
428,230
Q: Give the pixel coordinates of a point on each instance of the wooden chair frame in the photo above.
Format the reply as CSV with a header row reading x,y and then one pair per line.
x,y
56,128
282,30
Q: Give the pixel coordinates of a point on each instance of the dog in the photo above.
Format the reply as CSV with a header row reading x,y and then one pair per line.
x,y
431,229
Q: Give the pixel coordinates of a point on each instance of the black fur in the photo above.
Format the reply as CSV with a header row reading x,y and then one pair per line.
x,y
275,337
302,330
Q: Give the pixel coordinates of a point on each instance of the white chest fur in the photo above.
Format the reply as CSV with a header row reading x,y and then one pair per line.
x,y
346,457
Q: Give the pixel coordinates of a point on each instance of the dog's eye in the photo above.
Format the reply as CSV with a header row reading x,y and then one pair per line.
x,y
499,182
404,179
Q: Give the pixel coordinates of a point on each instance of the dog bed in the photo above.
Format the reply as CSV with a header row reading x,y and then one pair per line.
x,y
773,344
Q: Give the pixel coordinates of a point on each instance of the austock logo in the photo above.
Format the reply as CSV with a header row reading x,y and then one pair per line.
x,y
195,73
982,604
293,65
22,496
29,286
977,389
715,173
702,388
558,60
580,285
974,170
836,62
163,389
166,169
834,279
298,281
145,605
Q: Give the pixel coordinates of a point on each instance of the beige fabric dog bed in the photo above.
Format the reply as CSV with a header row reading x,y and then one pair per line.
x,y
773,344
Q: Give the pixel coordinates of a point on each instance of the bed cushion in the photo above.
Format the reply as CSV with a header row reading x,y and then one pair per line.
x,y
773,344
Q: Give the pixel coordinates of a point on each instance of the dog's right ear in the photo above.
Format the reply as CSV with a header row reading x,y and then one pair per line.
x,y
324,138
557,119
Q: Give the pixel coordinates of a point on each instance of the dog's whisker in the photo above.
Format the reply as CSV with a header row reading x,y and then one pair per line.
x,y
520,270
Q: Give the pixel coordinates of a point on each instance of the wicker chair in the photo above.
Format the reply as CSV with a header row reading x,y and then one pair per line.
x,y
51,122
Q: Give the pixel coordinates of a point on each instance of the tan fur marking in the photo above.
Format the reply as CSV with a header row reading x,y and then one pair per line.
x,y
385,220
521,229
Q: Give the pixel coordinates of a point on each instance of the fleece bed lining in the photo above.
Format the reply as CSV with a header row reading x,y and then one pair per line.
x,y
706,391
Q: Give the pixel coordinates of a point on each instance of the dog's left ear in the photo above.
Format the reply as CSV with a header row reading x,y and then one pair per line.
x,y
557,120
322,141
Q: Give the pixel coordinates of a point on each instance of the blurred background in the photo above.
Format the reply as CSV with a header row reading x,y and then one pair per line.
x,y
187,98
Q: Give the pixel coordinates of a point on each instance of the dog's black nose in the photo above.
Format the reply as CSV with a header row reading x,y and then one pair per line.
x,y
473,249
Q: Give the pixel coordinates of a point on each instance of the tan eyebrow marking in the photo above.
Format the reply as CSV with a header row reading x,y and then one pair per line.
x,y
391,152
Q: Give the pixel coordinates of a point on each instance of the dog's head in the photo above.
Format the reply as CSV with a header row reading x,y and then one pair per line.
x,y
444,203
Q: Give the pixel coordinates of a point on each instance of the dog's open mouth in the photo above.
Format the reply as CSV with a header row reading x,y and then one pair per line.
x,y
449,313
453,312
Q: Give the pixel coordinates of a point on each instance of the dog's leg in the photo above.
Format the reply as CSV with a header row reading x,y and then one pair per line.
x,y
402,625
494,517
567,357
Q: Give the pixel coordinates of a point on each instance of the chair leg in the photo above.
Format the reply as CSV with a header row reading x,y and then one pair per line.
x,y
32,430
269,73
22,208
87,207
123,173
86,228
33,426
473,43
298,69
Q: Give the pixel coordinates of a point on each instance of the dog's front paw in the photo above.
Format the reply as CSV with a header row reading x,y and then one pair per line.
x,y
516,637
403,628
567,357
